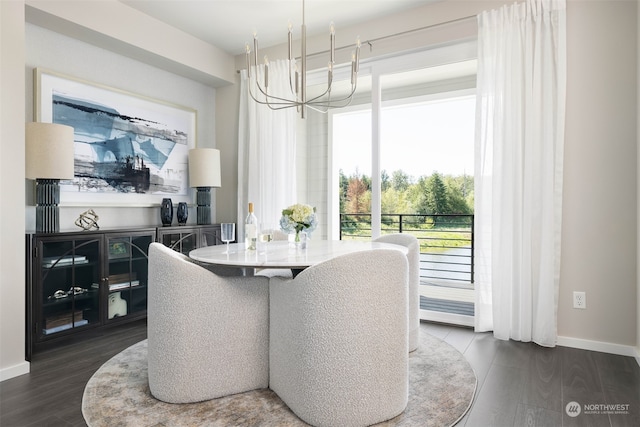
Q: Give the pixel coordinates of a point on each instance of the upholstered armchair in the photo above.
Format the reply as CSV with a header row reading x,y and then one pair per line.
x,y
413,255
338,339
208,335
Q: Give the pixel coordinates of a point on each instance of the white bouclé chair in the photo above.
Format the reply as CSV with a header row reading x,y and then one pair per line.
x,y
413,255
208,335
338,339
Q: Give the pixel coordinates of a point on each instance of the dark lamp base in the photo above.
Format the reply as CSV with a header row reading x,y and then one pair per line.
x,y
47,199
203,209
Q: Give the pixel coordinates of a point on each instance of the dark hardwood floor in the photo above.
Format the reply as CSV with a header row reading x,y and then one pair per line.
x,y
519,384
523,384
51,394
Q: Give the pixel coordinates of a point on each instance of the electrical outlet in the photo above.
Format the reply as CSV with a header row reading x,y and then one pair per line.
x,y
579,300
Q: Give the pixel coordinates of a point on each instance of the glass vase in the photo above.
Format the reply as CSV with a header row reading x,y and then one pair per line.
x,y
166,212
182,213
300,240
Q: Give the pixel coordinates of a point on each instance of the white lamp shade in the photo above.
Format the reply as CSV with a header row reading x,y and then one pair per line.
x,y
49,151
204,167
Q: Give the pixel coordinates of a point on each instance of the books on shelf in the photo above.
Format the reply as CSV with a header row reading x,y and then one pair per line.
x,y
64,321
66,326
124,277
63,261
62,318
124,285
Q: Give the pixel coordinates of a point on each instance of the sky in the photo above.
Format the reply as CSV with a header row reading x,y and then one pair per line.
x,y
417,138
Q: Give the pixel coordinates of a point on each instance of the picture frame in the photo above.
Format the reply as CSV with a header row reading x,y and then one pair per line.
x,y
118,249
130,150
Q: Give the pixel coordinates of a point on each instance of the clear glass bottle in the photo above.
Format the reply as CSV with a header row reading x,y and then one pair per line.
x,y
251,230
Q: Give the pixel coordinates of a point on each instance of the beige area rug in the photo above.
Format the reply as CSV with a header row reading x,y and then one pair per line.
x,y
441,389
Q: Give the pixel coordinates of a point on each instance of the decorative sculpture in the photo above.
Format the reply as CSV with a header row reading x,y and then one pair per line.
x,y
88,220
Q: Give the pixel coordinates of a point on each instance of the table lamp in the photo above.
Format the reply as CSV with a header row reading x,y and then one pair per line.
x,y
204,173
49,154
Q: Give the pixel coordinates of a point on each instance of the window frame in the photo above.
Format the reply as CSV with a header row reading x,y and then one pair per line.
x,y
443,55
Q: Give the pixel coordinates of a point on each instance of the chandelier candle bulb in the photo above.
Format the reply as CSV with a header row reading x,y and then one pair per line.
x,y
248,55
303,61
332,42
353,67
255,49
290,41
298,79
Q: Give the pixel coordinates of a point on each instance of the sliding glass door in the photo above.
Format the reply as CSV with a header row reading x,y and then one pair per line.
x,y
401,160
413,123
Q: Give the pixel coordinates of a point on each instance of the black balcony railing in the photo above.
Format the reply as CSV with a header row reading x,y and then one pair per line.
x,y
446,241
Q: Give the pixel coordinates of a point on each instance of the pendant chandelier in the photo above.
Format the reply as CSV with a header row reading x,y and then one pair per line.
x,y
298,77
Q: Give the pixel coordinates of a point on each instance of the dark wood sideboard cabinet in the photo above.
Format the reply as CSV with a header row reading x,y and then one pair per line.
x,y
82,281
186,238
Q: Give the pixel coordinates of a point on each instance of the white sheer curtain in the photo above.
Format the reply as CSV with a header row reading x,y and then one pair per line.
x,y
266,149
518,172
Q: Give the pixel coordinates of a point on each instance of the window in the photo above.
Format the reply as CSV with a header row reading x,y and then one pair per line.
x,y
411,126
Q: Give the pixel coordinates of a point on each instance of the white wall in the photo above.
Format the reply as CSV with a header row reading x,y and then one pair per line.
x,y
12,246
115,26
638,188
599,249
227,107
45,48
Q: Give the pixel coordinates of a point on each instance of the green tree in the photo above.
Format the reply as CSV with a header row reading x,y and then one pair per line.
x,y
400,180
459,194
366,181
385,181
394,202
343,185
435,201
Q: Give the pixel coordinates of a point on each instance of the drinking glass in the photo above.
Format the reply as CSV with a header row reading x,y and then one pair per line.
x,y
228,231
266,233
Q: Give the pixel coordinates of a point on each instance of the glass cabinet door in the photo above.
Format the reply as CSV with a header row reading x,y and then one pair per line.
x,y
210,236
127,272
68,273
183,240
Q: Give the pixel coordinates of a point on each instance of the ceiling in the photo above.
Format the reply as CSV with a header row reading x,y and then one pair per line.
x,y
229,24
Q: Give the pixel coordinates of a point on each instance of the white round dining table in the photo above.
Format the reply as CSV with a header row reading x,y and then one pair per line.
x,y
283,254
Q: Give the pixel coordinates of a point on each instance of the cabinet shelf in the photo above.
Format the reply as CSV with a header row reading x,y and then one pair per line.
x,y
125,260
76,324
56,262
86,296
85,263
126,286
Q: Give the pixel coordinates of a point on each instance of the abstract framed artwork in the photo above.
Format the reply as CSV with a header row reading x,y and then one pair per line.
x,y
130,150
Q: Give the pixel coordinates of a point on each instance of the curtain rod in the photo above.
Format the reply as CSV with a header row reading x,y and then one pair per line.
x,y
402,33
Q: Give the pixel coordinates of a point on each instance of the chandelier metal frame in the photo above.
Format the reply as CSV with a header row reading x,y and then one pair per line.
x,y
298,77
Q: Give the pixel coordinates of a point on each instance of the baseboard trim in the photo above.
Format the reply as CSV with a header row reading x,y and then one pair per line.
x,y
15,371
441,317
604,347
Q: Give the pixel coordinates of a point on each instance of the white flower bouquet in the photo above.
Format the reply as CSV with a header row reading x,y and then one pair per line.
x,y
297,218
